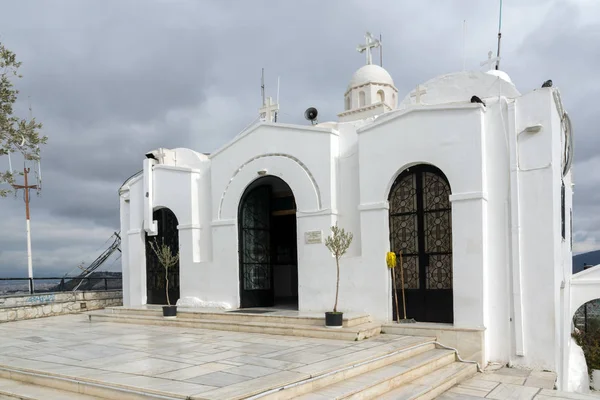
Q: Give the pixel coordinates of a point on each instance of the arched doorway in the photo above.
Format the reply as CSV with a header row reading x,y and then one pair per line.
x,y
586,322
155,273
267,245
421,228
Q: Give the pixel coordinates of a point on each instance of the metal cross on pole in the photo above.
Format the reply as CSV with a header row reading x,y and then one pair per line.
x,y
268,110
370,43
491,61
26,187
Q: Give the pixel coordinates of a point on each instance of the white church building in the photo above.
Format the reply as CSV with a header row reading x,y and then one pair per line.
x,y
476,193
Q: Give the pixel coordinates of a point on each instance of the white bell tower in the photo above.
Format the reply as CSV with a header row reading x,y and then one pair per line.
x,y
371,90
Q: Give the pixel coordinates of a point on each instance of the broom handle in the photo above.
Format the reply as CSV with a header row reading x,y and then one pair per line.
x,y
395,294
402,279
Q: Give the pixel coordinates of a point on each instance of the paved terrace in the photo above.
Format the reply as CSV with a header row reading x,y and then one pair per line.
x,y
176,361
215,364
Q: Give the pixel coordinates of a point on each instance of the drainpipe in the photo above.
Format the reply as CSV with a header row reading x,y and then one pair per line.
x,y
515,224
150,226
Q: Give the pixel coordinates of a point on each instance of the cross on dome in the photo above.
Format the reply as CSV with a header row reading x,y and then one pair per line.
x,y
370,43
490,61
268,110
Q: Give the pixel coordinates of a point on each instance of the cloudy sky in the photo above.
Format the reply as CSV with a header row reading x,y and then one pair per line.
x,y
112,79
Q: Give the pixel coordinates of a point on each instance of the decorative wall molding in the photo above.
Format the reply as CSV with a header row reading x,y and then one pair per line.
x,y
184,227
468,196
134,231
379,205
296,160
314,213
224,222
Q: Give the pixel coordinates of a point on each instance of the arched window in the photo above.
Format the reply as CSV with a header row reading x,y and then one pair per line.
x,y
348,101
380,96
393,99
361,99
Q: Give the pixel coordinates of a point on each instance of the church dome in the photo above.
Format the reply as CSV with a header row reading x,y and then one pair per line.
x,y
500,74
370,73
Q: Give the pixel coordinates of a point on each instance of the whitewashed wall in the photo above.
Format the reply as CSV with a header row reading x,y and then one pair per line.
x,y
303,157
449,138
540,210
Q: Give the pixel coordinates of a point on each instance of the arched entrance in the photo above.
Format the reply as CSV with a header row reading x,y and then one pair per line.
x,y
155,273
421,228
267,245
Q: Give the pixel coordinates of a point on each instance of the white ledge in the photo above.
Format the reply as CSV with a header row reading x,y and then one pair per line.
x,y
468,196
379,205
134,231
313,213
183,227
223,222
585,282
175,168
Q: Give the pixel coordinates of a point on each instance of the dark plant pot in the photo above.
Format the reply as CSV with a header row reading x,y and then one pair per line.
x,y
333,319
169,311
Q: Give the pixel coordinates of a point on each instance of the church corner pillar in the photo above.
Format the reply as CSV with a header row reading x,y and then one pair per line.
x,y
375,243
189,256
312,228
124,222
469,248
136,263
375,230
150,225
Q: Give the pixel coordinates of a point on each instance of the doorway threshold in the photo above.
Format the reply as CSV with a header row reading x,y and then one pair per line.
x,y
252,311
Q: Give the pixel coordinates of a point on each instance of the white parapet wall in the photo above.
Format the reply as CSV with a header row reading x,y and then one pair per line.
x,y
20,307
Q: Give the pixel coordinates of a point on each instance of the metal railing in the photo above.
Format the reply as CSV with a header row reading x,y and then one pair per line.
x,y
49,285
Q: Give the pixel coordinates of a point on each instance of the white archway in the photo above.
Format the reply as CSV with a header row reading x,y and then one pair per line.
x,y
286,167
585,287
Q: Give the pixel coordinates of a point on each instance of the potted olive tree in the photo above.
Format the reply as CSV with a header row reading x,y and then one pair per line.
x,y
337,243
167,259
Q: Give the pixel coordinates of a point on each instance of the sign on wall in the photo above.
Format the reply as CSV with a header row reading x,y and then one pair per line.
x,y
313,237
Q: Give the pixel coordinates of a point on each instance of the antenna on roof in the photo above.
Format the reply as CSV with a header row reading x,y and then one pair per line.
x,y
262,85
380,51
277,101
464,57
499,36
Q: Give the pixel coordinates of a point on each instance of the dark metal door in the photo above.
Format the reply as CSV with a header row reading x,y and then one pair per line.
x,y
155,273
256,278
421,228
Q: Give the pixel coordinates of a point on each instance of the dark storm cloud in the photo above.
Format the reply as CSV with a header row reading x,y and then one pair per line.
x,y
111,80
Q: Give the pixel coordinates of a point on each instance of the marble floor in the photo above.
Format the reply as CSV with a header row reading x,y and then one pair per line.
x,y
171,360
512,383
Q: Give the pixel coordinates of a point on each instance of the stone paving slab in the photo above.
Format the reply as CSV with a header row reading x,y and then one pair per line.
x,y
512,384
179,361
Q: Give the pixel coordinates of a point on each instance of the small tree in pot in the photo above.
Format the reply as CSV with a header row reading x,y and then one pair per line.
x,y
337,243
167,259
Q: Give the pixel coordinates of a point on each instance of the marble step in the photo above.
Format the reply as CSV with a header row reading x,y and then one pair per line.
x,y
433,384
10,389
358,332
276,316
376,382
327,372
18,383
